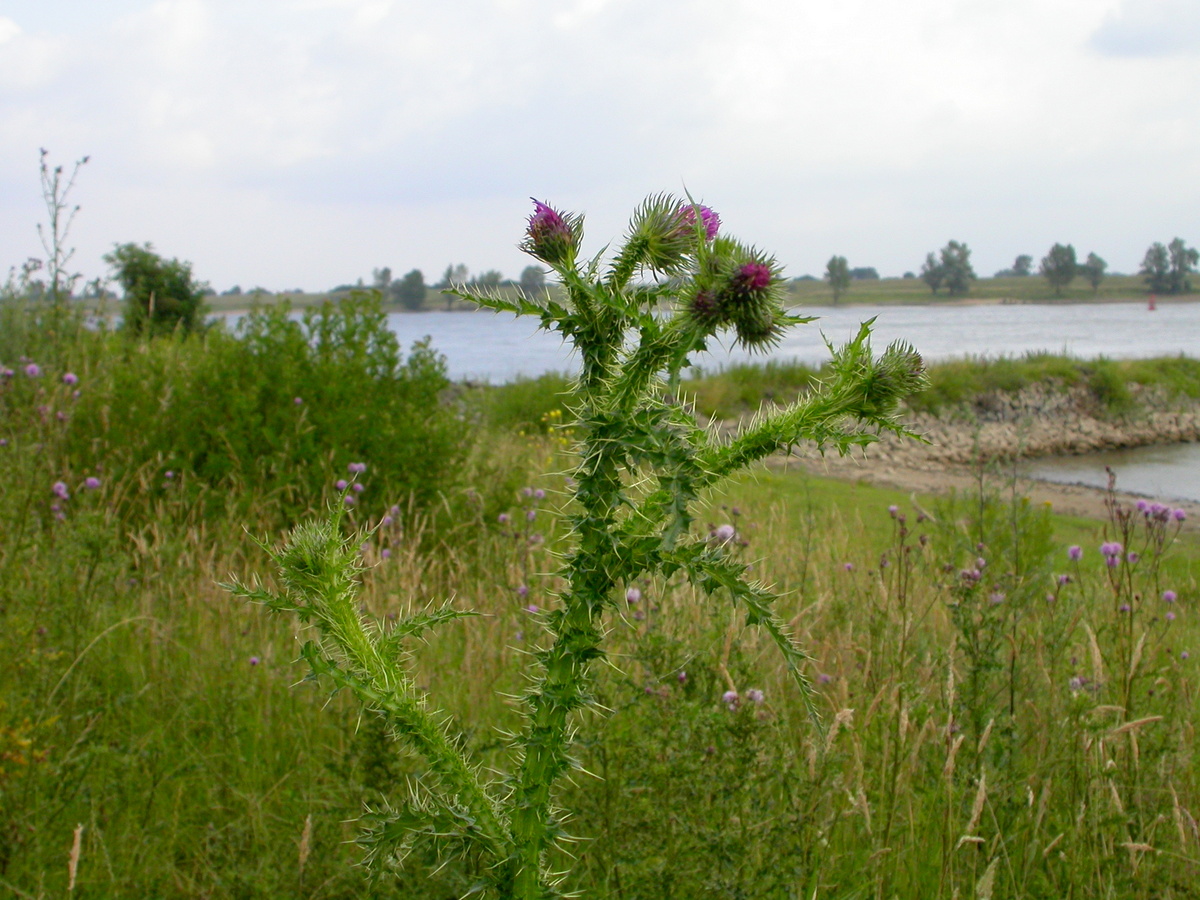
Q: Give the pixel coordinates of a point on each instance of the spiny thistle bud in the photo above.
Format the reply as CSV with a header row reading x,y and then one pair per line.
x,y
551,236
705,307
759,328
709,219
898,373
749,279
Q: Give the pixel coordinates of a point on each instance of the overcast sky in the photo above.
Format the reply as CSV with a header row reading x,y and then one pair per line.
x,y
302,143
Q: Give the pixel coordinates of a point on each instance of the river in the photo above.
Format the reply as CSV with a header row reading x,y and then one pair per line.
x,y
483,346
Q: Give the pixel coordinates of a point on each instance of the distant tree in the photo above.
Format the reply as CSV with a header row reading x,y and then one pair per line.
x,y
489,279
864,273
837,273
533,281
1093,270
1023,265
382,279
234,291
1156,269
1183,263
410,290
160,294
909,276
953,269
1059,267
932,272
454,276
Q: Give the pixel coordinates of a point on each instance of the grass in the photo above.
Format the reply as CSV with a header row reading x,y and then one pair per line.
x,y
1020,747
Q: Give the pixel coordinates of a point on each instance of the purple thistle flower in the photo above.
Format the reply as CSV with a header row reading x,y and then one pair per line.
x,y
349,500
1064,579
996,598
750,279
385,553
502,518
70,378
754,695
530,515
91,482
1169,596
59,490
299,401
723,534
340,484
357,487
1075,553
386,522
539,494
1170,616
633,596
1178,515
710,220
254,660
824,678
523,592
849,567
1133,556
33,370
729,698
1124,607
682,677
356,468
549,236
893,510
1184,655
1142,506
1111,548
168,474
3,442
531,608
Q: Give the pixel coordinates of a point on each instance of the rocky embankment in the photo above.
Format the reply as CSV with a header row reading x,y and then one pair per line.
x,y
1039,420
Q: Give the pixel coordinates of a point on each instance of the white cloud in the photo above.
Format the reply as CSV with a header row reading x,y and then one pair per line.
x,y
1150,28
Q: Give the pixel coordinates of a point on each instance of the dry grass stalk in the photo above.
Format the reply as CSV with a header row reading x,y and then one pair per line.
x,y
305,843
987,883
73,858
976,812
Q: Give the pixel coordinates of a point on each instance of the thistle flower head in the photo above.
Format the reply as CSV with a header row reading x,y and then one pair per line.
x,y
708,219
59,489
552,236
70,378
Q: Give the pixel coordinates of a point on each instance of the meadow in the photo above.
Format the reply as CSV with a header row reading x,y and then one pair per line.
x,y
1007,700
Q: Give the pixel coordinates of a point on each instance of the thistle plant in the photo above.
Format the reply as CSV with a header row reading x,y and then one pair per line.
x,y
642,462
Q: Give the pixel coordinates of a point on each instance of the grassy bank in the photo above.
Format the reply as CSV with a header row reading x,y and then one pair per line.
x,y
995,713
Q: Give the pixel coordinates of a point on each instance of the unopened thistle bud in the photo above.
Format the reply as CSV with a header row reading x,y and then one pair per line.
x,y
551,237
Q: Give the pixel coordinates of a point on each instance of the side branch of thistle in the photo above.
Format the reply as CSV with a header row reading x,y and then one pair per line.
x,y
318,569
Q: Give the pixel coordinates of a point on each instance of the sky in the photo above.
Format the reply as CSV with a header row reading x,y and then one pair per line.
x,y
303,143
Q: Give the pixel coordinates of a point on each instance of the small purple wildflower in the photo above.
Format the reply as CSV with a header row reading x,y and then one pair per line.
x,y
386,522
1064,579
33,370
750,279
1075,684
1178,515
254,660
299,401
996,598
356,468
1124,607
539,494
531,608
633,596
1075,553
723,534
893,510
59,489
1170,616
91,482
349,500
386,553
824,678
3,442
849,567
1170,596
1133,557
502,518
549,236
70,378
357,487
523,591
169,474
340,484
682,677
1184,655
754,695
530,515
729,698
1142,506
